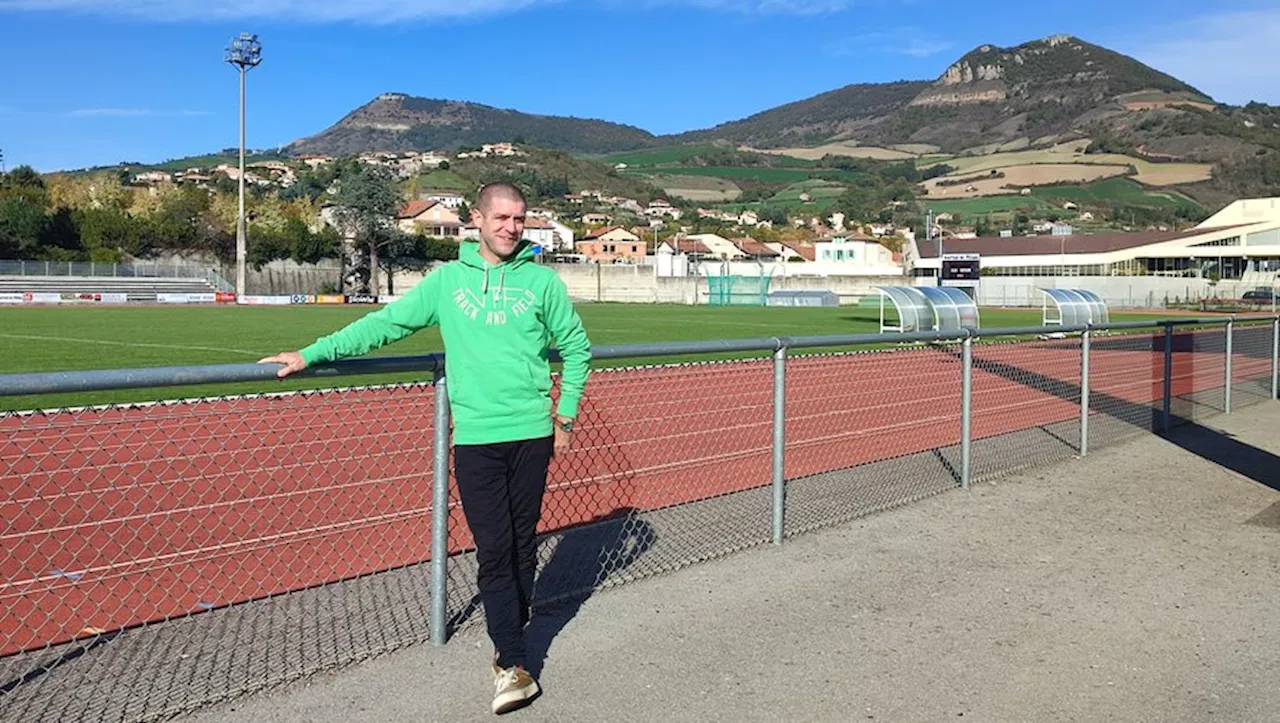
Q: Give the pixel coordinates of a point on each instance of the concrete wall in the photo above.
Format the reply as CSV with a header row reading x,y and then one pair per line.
x,y
1117,291
280,277
640,284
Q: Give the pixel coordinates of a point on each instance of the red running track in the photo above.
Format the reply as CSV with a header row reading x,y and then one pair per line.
x,y
139,514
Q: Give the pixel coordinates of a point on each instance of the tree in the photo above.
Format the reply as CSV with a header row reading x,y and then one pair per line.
x,y
24,177
367,205
21,223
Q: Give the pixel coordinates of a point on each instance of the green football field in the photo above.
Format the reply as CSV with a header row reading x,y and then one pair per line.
x,y
44,339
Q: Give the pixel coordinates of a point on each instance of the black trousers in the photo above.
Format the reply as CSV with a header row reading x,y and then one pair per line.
x,y
501,487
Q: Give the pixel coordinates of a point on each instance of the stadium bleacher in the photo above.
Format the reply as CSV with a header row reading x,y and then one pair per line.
x,y
135,288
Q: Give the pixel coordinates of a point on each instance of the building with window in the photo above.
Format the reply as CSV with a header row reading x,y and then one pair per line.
x,y
1240,243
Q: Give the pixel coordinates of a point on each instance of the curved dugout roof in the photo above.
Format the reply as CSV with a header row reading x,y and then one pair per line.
x,y
928,308
1075,307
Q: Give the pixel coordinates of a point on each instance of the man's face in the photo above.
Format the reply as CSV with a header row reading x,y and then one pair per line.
x,y
501,225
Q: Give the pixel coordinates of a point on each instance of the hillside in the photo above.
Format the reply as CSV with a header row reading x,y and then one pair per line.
x,y
834,114
398,122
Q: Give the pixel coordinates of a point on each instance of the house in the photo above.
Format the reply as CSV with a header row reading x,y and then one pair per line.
x,y
754,249
719,246
795,250
448,199
1086,216
855,252
748,218
562,235
595,219
611,244
152,178
314,161
695,250
429,218
837,221
659,207
540,232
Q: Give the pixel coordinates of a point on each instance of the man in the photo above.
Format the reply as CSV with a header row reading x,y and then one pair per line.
x,y
497,313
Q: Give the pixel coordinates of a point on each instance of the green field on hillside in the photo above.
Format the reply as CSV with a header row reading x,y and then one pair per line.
x,y
660,156
762,174
968,208
1116,190
442,180
44,339
1105,193
817,189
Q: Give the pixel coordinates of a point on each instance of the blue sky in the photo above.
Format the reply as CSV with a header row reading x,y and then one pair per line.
x,y
91,82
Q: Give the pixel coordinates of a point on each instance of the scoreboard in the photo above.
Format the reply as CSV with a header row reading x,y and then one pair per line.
x,y
963,270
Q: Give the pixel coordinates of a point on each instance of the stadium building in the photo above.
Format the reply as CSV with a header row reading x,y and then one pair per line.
x,y
1239,243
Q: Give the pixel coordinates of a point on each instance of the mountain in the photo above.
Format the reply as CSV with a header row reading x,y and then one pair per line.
x,y
1037,95
399,122
990,95
834,114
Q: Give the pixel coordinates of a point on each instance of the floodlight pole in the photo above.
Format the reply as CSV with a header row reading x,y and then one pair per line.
x,y
245,53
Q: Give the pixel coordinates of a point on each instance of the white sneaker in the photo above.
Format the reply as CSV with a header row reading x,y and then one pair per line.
x,y
512,688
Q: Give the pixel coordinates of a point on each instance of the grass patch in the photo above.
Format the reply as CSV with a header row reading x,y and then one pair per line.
x,y
443,180
660,156
40,339
1116,190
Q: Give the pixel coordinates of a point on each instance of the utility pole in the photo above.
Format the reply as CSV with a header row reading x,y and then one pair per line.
x,y
245,53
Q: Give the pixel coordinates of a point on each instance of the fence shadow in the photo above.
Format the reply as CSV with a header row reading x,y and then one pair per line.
x,y
1211,445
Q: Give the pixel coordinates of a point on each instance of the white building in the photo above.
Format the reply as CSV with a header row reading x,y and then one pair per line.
x,y
1240,242
718,246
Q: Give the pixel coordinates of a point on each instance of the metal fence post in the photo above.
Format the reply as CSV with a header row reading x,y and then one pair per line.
x,y
1226,392
1084,391
966,406
1275,358
1167,417
779,442
438,611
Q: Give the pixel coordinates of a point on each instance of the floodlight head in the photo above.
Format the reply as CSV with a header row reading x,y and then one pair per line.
x,y
245,51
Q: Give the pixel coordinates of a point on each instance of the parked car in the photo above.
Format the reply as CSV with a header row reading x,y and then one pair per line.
x,y
1259,296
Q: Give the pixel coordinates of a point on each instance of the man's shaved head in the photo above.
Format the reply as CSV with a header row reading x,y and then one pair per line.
x,y
500,189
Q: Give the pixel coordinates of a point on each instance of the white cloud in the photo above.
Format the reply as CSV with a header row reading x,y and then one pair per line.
x,y
1231,55
372,11
903,41
133,113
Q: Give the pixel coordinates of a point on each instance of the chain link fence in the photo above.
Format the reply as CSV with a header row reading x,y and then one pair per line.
x,y
160,557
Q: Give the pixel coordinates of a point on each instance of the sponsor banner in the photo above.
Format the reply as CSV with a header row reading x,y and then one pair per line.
x,y
266,300
361,299
225,297
302,299
185,298
329,299
386,299
112,298
12,298
42,298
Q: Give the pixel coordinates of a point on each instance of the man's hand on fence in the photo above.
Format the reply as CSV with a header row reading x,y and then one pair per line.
x,y
292,361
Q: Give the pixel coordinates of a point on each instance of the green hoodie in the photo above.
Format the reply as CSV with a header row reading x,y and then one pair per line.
x,y
497,323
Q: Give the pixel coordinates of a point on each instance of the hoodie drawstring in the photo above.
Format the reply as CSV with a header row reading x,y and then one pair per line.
x,y
502,282
485,289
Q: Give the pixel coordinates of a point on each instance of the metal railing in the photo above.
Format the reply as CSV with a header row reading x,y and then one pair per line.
x,y
91,269
163,556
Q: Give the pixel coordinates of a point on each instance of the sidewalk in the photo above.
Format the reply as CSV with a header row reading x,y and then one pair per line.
x,y
1138,584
